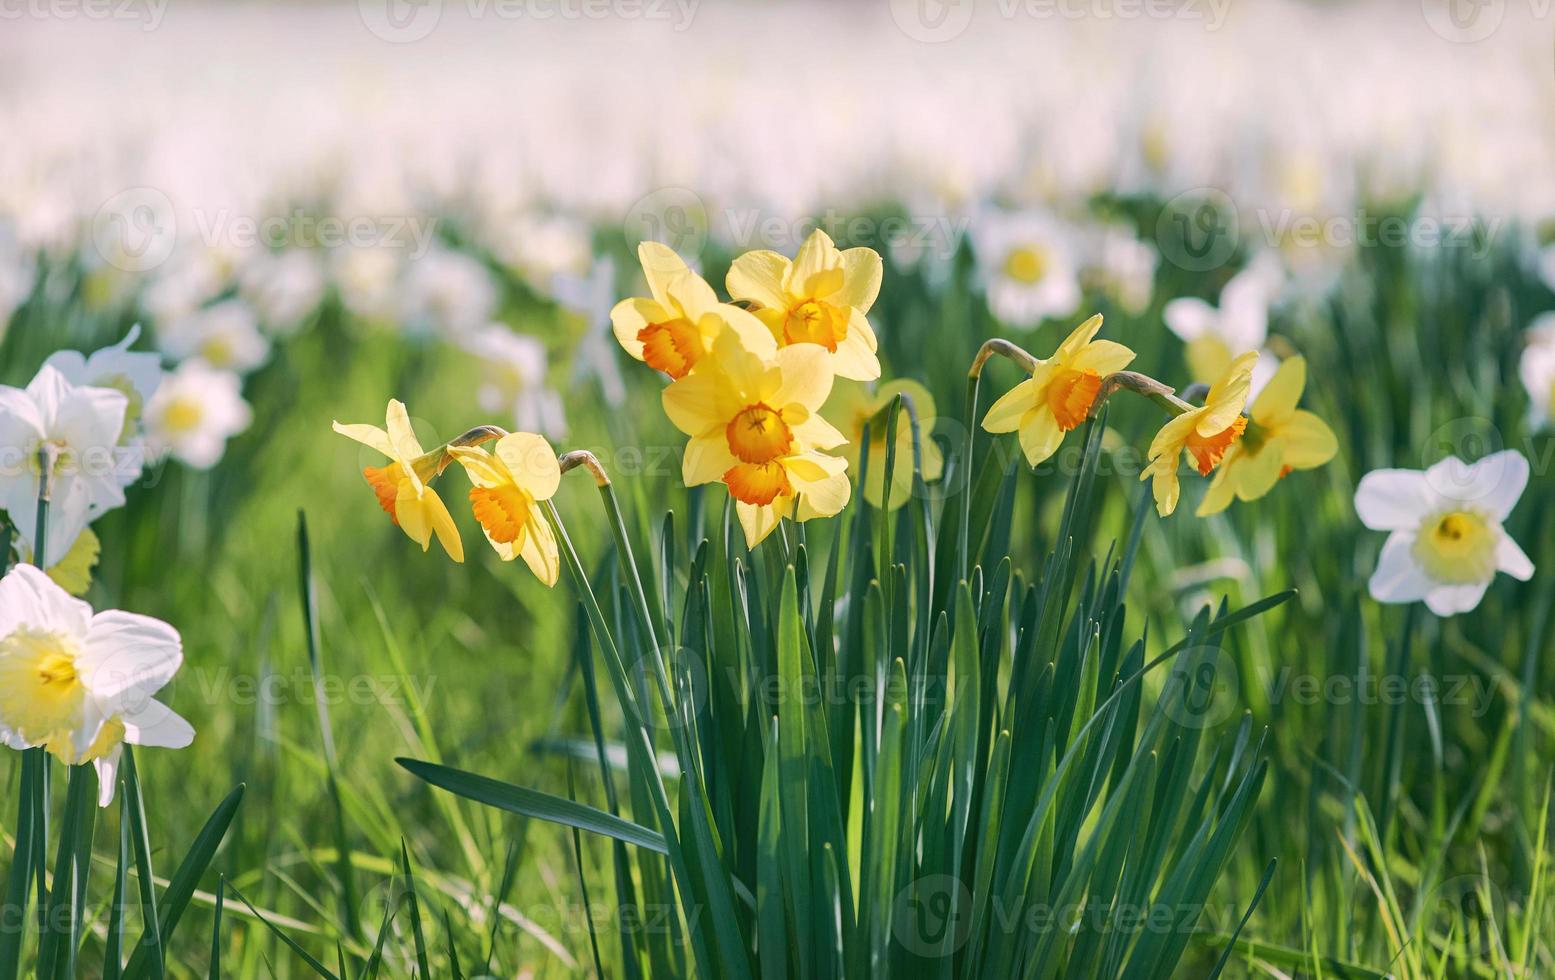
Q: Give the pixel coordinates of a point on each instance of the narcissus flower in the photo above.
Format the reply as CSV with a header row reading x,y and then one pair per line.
x,y
673,329
1027,266
1204,433
851,405
1446,542
509,482
81,685
402,485
1059,394
820,297
755,425
193,414
1279,438
1241,322
1537,370
81,426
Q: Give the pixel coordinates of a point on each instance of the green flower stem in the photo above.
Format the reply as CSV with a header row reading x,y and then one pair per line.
x,y
45,491
1028,364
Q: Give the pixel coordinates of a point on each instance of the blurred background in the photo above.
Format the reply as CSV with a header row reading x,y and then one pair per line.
x,y
320,206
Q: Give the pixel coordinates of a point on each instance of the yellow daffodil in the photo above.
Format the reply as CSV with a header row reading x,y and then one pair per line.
x,y
1279,438
1204,433
672,329
402,484
1059,394
755,425
852,405
820,297
509,483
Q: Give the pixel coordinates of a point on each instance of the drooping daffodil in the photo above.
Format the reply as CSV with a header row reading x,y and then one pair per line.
x,y
1204,433
852,405
510,480
403,484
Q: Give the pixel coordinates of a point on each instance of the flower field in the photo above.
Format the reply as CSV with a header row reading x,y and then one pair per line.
x,y
551,488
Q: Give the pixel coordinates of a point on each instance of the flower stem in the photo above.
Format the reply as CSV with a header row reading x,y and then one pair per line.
x,y
45,491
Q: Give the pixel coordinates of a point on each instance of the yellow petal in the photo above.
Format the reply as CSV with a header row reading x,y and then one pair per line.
x,y
1078,338
706,460
815,432
412,514
1277,401
854,358
859,324
820,484
1309,442
754,335
691,293
806,376
630,316
483,469
692,404
1040,435
401,436
443,525
1227,396
661,266
1104,357
1220,493
1255,474
73,573
540,552
1172,436
862,271
817,256
1005,414
1208,358
368,435
531,462
757,277
1164,485
757,521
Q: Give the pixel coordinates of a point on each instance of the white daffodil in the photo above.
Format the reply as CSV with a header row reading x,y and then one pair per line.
x,y
1446,542
1215,335
80,685
1119,264
447,293
514,380
1028,266
80,426
225,336
136,373
1537,370
365,277
285,287
197,409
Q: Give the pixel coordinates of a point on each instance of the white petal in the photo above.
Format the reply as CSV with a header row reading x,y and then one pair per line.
x,y
1493,484
1449,600
1399,578
1189,317
158,726
107,775
1391,500
48,390
1512,560
30,598
127,658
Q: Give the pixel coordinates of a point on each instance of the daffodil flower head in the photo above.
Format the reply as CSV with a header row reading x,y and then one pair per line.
x,y
1446,542
820,297
755,425
673,329
402,485
1060,392
510,481
1204,433
1279,438
80,685
852,405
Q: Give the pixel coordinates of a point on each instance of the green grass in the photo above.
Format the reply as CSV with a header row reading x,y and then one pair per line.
x,y
1004,749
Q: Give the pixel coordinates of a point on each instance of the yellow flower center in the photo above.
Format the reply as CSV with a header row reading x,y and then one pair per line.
x,y
1070,395
1457,547
758,434
217,352
503,511
1026,264
41,695
673,346
182,415
1209,450
815,321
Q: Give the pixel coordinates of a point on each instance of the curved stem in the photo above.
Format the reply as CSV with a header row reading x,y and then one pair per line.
x,y
587,460
1140,384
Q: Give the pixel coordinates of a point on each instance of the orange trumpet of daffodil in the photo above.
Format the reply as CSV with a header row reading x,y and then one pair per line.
x,y
510,481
